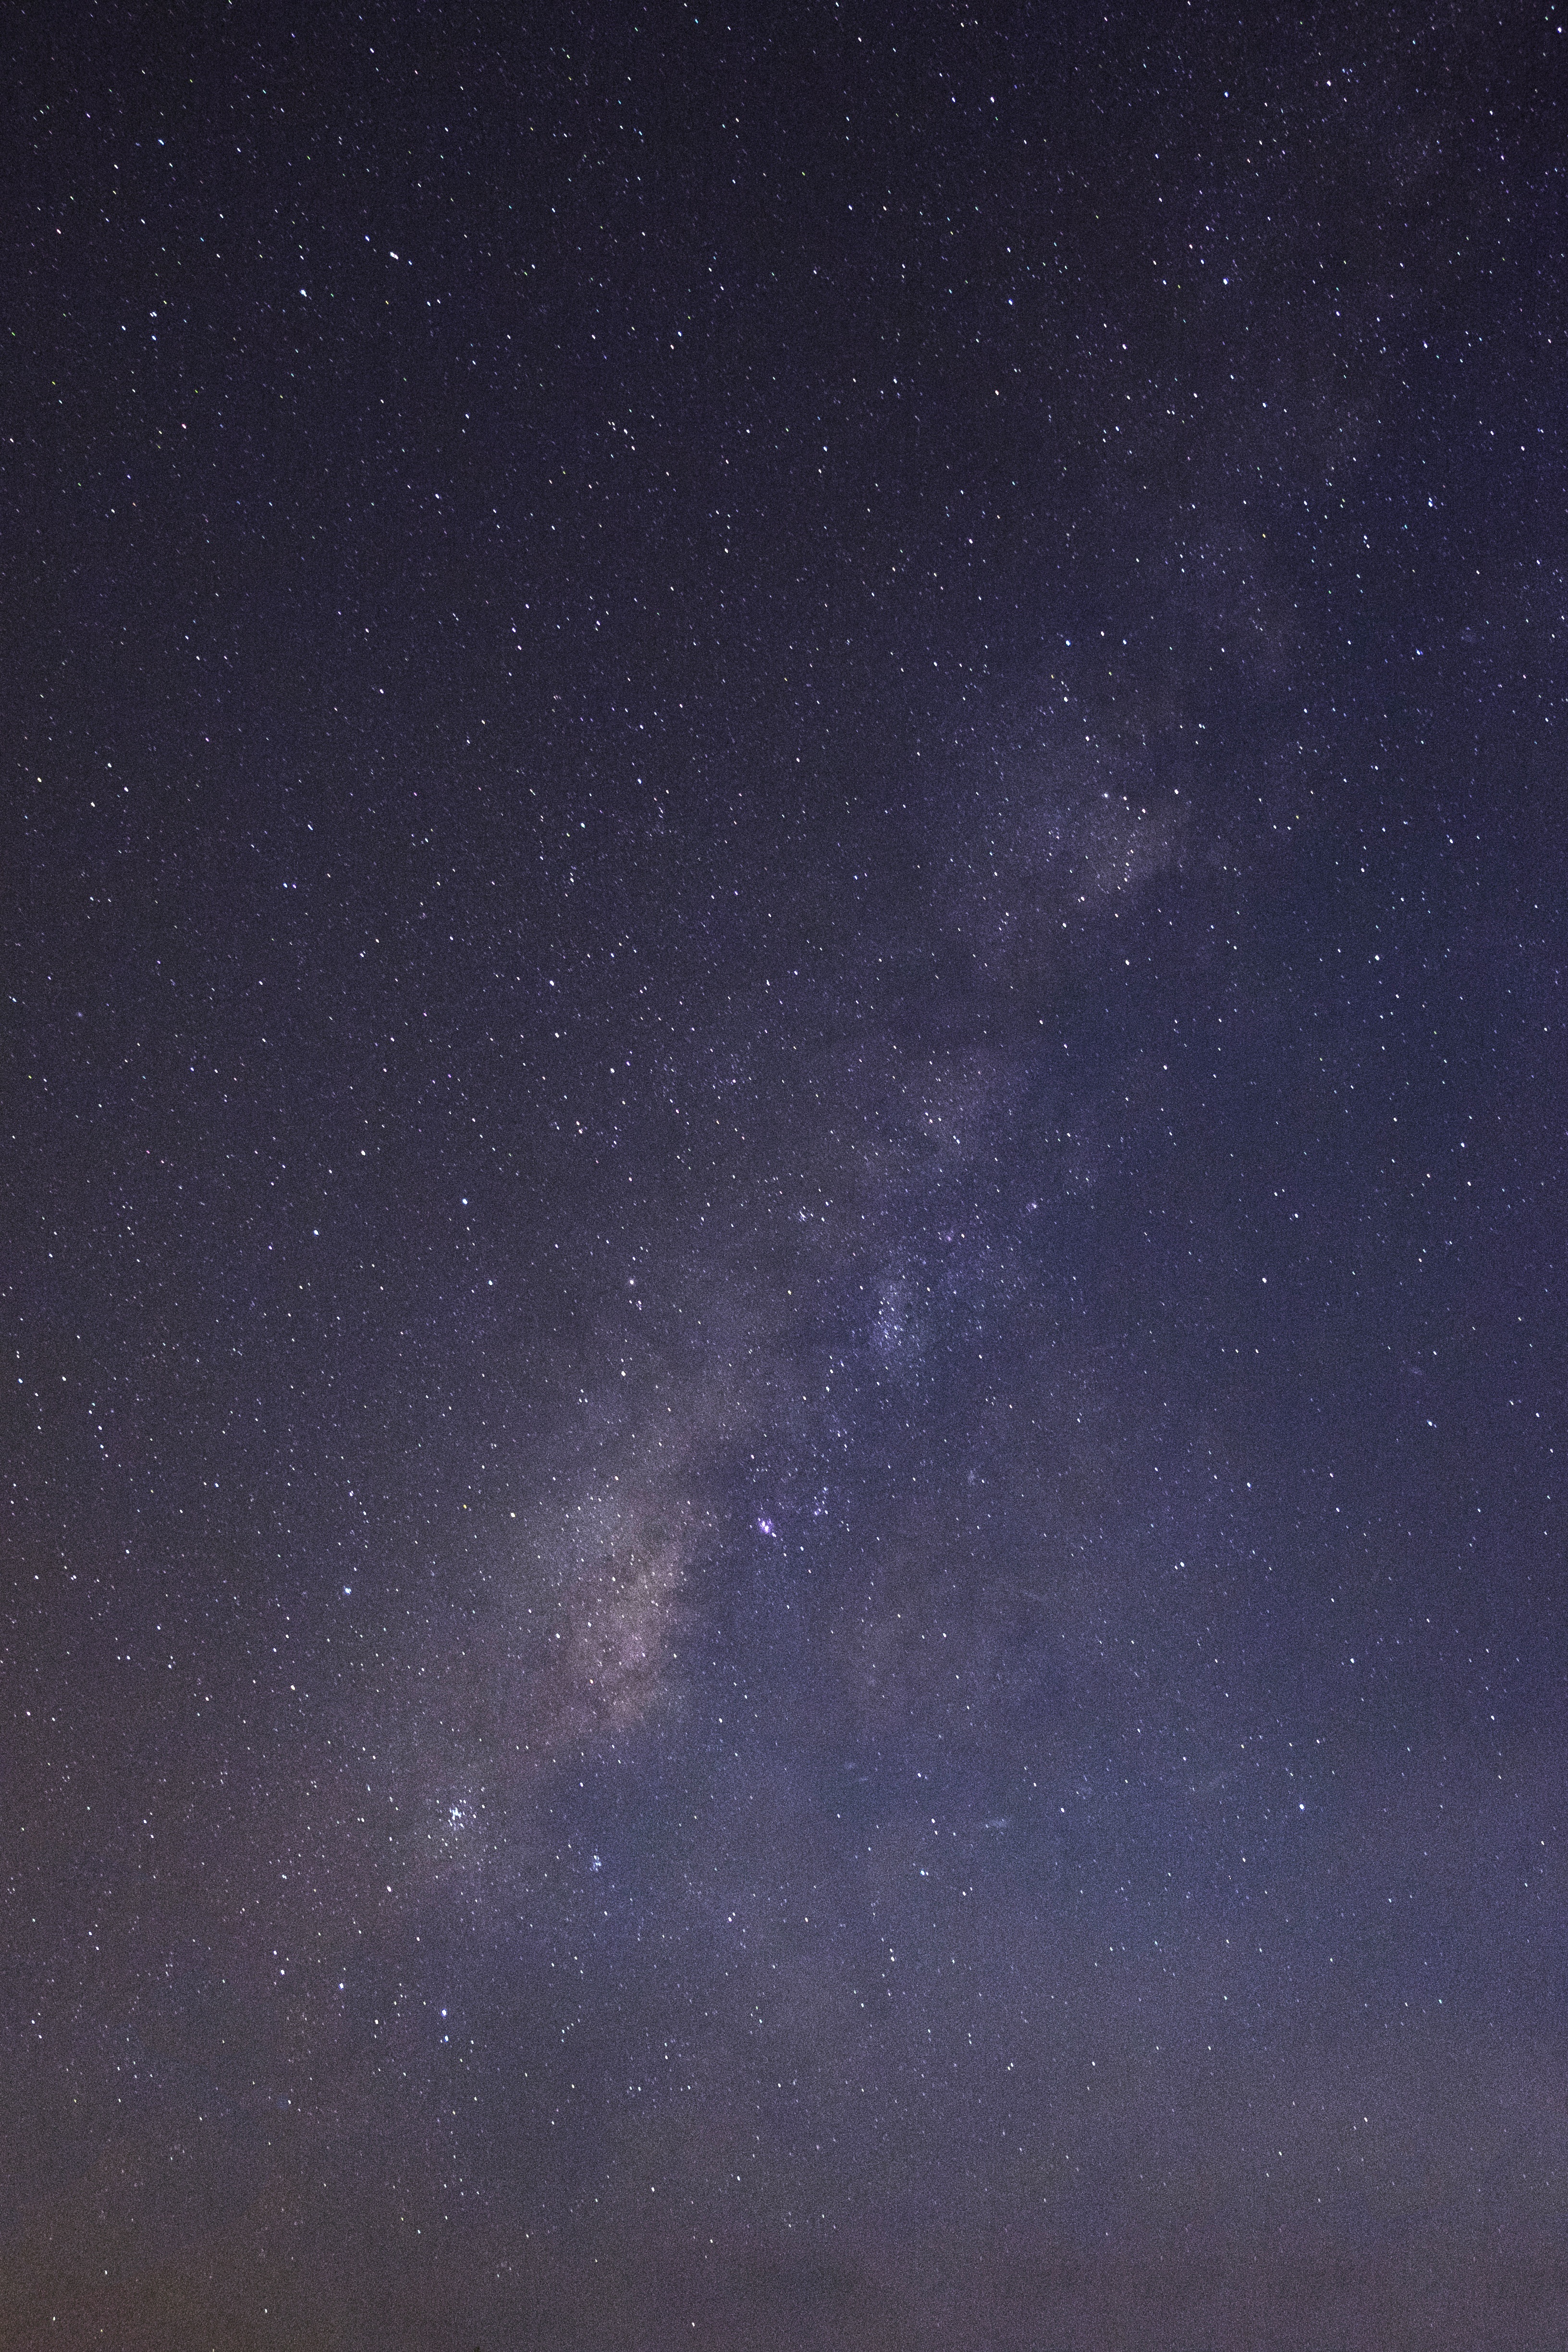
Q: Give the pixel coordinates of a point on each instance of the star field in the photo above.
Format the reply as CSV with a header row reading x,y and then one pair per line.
x,y
782,1179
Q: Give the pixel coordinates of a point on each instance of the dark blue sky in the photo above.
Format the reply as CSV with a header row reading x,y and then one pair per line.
x,y
784,1180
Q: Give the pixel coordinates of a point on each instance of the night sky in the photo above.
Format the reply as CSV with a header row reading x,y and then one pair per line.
x,y
782,1197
